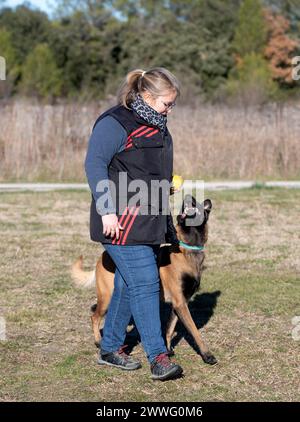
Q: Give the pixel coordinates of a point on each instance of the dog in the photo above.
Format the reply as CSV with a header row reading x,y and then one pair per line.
x,y
180,269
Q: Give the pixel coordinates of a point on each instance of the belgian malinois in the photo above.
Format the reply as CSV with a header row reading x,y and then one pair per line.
x,y
180,269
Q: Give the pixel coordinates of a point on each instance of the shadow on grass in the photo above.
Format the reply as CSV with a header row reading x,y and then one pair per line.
x,y
202,308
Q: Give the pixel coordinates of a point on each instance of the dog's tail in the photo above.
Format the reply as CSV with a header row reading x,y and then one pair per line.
x,y
81,278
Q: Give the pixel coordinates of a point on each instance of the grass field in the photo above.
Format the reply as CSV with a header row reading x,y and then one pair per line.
x,y
250,293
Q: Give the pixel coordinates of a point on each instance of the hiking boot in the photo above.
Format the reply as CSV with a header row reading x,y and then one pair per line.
x,y
163,369
119,359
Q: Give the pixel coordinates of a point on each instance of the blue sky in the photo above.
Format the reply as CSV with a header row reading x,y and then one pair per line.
x,y
44,5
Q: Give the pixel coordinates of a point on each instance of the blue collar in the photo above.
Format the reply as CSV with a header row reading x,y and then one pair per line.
x,y
186,246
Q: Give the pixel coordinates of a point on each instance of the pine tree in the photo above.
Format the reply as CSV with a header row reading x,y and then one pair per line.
x,y
251,32
41,76
9,55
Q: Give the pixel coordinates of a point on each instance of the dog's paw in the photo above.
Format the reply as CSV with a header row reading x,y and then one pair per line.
x,y
209,359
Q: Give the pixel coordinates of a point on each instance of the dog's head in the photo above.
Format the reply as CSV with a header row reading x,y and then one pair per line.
x,y
192,220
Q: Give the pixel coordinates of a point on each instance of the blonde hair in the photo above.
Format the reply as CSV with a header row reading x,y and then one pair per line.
x,y
156,81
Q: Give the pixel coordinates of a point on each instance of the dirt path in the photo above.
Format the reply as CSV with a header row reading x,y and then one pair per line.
x,y
43,187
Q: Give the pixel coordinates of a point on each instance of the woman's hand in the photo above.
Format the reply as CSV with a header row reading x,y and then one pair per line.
x,y
111,225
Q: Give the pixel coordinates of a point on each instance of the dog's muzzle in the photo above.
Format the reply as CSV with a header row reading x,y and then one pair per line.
x,y
189,212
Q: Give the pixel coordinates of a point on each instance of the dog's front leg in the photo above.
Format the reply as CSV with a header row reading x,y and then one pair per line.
x,y
184,314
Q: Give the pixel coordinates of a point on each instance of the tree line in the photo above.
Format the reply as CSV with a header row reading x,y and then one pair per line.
x,y
218,49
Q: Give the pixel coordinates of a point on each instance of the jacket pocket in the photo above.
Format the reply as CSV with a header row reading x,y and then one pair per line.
x,y
156,142
151,150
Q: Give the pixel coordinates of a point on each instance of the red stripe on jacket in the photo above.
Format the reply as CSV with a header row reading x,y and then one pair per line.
x,y
130,224
125,224
152,133
129,139
121,221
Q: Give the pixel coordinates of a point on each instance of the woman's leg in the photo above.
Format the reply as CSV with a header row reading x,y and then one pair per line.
x,y
138,267
118,316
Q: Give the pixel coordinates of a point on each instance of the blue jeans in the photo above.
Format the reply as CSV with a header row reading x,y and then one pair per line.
x,y
136,293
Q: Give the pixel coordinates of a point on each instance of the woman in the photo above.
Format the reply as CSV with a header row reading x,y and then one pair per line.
x,y
132,140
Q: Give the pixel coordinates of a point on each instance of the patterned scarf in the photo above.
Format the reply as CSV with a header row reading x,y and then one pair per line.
x,y
148,113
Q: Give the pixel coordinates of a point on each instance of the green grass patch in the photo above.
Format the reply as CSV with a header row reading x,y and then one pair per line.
x,y
249,294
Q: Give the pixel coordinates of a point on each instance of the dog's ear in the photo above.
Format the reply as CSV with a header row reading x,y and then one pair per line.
x,y
207,205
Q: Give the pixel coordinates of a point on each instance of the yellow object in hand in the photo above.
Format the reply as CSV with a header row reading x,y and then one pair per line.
x,y
177,182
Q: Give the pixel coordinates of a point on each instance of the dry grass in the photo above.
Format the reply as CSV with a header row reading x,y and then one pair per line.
x,y
216,142
48,143
250,293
